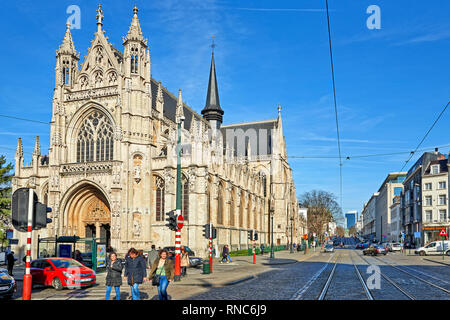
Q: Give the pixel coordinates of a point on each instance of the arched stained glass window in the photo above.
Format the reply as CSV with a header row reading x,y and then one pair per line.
x,y
95,140
185,197
232,202
220,206
159,198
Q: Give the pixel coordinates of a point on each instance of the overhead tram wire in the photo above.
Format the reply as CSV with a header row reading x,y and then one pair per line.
x,y
335,104
423,139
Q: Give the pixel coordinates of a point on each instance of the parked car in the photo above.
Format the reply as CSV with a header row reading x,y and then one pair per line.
x,y
61,273
193,261
329,248
385,245
435,247
374,250
363,245
8,285
395,246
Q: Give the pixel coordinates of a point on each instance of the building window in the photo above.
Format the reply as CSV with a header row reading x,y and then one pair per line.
x,y
428,201
442,185
442,199
443,215
159,198
429,215
185,197
241,210
428,186
232,208
220,205
435,169
95,140
249,212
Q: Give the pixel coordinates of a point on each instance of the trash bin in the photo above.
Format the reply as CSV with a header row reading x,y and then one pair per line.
x,y
206,267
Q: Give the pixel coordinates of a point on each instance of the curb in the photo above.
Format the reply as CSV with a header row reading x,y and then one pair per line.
x,y
446,264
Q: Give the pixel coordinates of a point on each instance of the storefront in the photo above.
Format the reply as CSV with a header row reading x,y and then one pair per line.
x,y
431,233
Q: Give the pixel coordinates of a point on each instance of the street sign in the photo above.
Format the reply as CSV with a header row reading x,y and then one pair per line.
x,y
416,235
443,232
180,221
13,241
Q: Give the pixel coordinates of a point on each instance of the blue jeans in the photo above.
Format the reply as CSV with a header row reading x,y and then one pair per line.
x,y
228,257
162,288
108,292
135,291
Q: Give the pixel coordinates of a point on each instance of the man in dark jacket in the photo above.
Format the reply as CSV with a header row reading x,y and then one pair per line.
x,y
114,276
10,259
152,256
135,272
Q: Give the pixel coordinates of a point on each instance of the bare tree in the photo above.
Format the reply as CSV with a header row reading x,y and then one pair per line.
x,y
352,231
322,209
340,231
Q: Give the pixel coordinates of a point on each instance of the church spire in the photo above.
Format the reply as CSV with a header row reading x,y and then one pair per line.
x,y
37,147
19,149
179,113
134,32
67,46
212,110
99,18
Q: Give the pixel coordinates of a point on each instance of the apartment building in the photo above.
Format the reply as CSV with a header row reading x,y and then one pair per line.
x,y
435,200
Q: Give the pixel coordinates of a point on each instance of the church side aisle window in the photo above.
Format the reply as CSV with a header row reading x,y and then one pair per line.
x,y
159,198
95,139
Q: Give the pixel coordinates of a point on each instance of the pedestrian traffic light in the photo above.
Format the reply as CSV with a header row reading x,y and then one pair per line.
x,y
256,236
172,220
214,233
20,207
206,230
250,235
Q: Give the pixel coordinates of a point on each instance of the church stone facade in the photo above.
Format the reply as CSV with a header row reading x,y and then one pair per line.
x,y
110,171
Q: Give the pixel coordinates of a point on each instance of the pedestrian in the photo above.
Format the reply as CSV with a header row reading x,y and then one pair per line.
x,y
152,256
224,254
162,273
184,261
135,272
114,275
228,254
78,256
262,249
10,260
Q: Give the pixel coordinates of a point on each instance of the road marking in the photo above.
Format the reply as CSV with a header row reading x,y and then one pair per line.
x,y
299,294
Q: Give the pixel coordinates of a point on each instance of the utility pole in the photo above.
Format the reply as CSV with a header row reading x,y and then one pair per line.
x,y
177,273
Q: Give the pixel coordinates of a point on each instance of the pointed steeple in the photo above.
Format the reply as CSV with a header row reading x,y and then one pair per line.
x,y
134,32
212,110
159,93
19,149
99,18
37,147
179,113
67,46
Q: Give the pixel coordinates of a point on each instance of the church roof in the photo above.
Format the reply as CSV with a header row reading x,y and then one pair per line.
x,y
170,106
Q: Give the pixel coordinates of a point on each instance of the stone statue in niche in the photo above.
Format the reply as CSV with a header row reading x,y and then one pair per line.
x,y
137,161
136,225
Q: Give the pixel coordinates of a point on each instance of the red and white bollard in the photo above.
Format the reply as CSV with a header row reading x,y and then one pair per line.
x,y
254,252
27,279
177,270
210,255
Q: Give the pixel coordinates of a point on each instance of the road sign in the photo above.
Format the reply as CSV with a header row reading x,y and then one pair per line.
x,y
180,221
13,241
443,232
416,235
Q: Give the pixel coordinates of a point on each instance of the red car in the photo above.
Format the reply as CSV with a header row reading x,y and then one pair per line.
x,y
61,273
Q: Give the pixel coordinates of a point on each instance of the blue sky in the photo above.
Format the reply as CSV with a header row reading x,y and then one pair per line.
x,y
390,83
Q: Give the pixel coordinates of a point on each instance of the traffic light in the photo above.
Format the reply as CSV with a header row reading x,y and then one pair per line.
x,y
206,230
250,235
214,233
256,236
40,219
20,207
172,220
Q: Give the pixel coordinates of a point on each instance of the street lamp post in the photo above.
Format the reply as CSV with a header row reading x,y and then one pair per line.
x,y
272,255
292,249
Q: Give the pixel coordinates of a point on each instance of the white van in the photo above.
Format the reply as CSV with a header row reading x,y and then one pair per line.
x,y
434,247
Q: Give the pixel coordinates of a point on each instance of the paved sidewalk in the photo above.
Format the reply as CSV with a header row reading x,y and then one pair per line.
x,y
240,269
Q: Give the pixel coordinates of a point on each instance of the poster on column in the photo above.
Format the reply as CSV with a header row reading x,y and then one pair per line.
x,y
101,256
